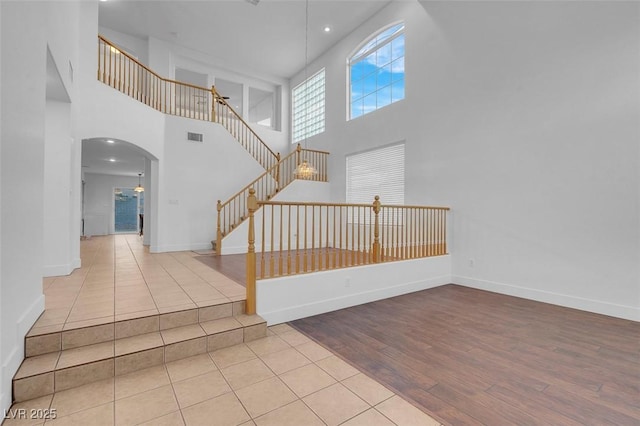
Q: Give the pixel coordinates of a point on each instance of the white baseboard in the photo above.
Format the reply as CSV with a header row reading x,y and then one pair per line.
x,y
16,354
180,247
329,305
57,270
234,249
619,311
76,263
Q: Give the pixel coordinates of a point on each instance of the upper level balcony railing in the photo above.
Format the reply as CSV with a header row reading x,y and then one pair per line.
x,y
125,73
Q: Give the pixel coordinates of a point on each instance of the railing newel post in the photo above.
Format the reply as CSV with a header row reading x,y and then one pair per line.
x,y
376,230
213,103
252,206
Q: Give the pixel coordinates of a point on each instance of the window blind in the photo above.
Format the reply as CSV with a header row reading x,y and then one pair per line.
x,y
377,172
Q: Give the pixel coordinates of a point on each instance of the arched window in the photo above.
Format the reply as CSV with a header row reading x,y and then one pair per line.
x,y
376,72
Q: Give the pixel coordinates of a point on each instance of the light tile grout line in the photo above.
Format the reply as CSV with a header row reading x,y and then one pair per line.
x,y
143,278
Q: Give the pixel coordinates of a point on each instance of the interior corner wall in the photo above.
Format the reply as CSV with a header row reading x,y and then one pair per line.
x,y
523,118
57,250
21,179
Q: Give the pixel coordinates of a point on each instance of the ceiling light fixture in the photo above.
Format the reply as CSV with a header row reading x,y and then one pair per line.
x,y
139,188
113,160
305,170
110,141
327,29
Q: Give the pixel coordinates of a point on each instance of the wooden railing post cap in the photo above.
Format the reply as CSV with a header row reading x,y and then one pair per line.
x,y
299,148
252,200
219,206
376,204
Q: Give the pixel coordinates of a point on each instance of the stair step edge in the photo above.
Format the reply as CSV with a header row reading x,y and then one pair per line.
x,y
40,344
50,362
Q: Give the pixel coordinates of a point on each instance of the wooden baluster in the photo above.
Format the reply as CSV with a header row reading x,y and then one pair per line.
x,y
313,238
272,256
289,241
280,243
219,231
262,252
297,239
305,253
327,241
340,258
252,203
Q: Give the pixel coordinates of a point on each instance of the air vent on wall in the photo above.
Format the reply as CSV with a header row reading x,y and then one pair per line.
x,y
194,137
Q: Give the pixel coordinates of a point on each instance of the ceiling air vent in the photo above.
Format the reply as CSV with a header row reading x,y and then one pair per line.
x,y
194,137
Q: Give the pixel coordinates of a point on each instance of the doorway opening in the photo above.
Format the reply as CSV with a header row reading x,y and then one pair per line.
x,y
128,210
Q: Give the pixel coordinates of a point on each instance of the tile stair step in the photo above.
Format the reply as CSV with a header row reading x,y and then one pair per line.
x,y
39,344
64,369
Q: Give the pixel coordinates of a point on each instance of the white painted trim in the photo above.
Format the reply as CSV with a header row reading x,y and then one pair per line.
x,y
299,296
76,263
13,361
29,317
234,250
596,306
180,247
57,270
9,369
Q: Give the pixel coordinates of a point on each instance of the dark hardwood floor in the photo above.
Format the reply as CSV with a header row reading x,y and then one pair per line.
x,y
467,356
233,266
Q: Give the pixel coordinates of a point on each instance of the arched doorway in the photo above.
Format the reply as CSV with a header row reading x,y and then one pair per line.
x,y
112,170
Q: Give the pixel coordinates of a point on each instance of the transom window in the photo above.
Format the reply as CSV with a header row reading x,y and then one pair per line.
x,y
308,107
376,72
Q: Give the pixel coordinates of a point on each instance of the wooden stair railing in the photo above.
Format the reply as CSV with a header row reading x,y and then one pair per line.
x,y
126,74
234,211
297,238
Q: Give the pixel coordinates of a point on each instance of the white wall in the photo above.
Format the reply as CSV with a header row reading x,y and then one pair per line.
x,y
196,175
22,152
58,256
299,296
99,213
134,46
523,117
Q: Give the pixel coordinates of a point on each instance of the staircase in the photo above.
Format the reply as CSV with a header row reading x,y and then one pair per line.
x,y
234,211
72,358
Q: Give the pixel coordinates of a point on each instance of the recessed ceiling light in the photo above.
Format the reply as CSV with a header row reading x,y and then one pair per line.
x,y
327,29
113,160
110,141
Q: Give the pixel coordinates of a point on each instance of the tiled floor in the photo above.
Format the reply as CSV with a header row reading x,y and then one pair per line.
x,y
282,379
120,280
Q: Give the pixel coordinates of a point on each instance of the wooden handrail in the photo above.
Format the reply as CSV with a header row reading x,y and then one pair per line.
x,y
234,211
314,203
303,237
170,96
220,99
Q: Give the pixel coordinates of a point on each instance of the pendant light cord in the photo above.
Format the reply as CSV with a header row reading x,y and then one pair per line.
x,y
306,64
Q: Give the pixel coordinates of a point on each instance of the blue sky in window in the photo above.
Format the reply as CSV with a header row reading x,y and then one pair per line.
x,y
377,79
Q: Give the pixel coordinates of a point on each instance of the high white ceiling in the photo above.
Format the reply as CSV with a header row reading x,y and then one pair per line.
x,y
267,39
